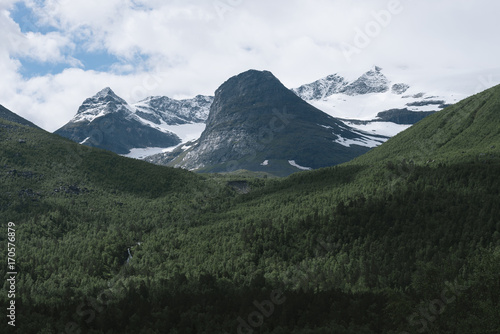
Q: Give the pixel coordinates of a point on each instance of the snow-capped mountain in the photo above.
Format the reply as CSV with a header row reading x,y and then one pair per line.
x,y
321,88
105,102
372,81
370,99
109,122
256,123
162,109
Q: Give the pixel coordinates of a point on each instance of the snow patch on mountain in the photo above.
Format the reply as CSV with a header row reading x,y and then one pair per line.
x,y
84,141
363,141
141,153
186,132
294,164
387,129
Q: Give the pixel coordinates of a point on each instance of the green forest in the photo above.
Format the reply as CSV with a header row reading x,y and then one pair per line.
x,y
402,240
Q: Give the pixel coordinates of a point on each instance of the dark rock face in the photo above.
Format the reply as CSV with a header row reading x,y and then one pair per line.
x,y
403,116
115,133
255,118
107,121
400,88
427,103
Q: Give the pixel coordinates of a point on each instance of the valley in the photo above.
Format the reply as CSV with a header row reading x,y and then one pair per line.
x,y
401,239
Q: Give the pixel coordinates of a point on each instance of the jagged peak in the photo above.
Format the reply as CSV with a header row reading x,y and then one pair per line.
x,y
104,98
333,77
373,81
374,72
105,92
105,95
166,98
155,98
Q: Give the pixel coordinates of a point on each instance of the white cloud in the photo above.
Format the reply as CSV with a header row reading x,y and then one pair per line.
x,y
47,48
182,48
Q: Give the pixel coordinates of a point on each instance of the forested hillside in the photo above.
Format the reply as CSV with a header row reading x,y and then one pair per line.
x,y
405,239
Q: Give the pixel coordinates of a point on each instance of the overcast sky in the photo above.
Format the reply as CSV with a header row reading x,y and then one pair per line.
x,y
56,53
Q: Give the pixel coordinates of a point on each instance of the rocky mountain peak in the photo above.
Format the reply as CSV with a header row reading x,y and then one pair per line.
x,y
322,88
247,89
104,99
373,81
158,109
106,95
252,80
104,92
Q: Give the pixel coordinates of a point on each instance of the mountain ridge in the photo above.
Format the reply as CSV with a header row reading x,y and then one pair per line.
x,y
173,117
174,112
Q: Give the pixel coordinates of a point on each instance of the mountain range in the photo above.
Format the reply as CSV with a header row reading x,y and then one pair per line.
x,y
161,124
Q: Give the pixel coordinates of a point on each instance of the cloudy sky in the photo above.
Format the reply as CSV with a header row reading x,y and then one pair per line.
x,y
56,53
